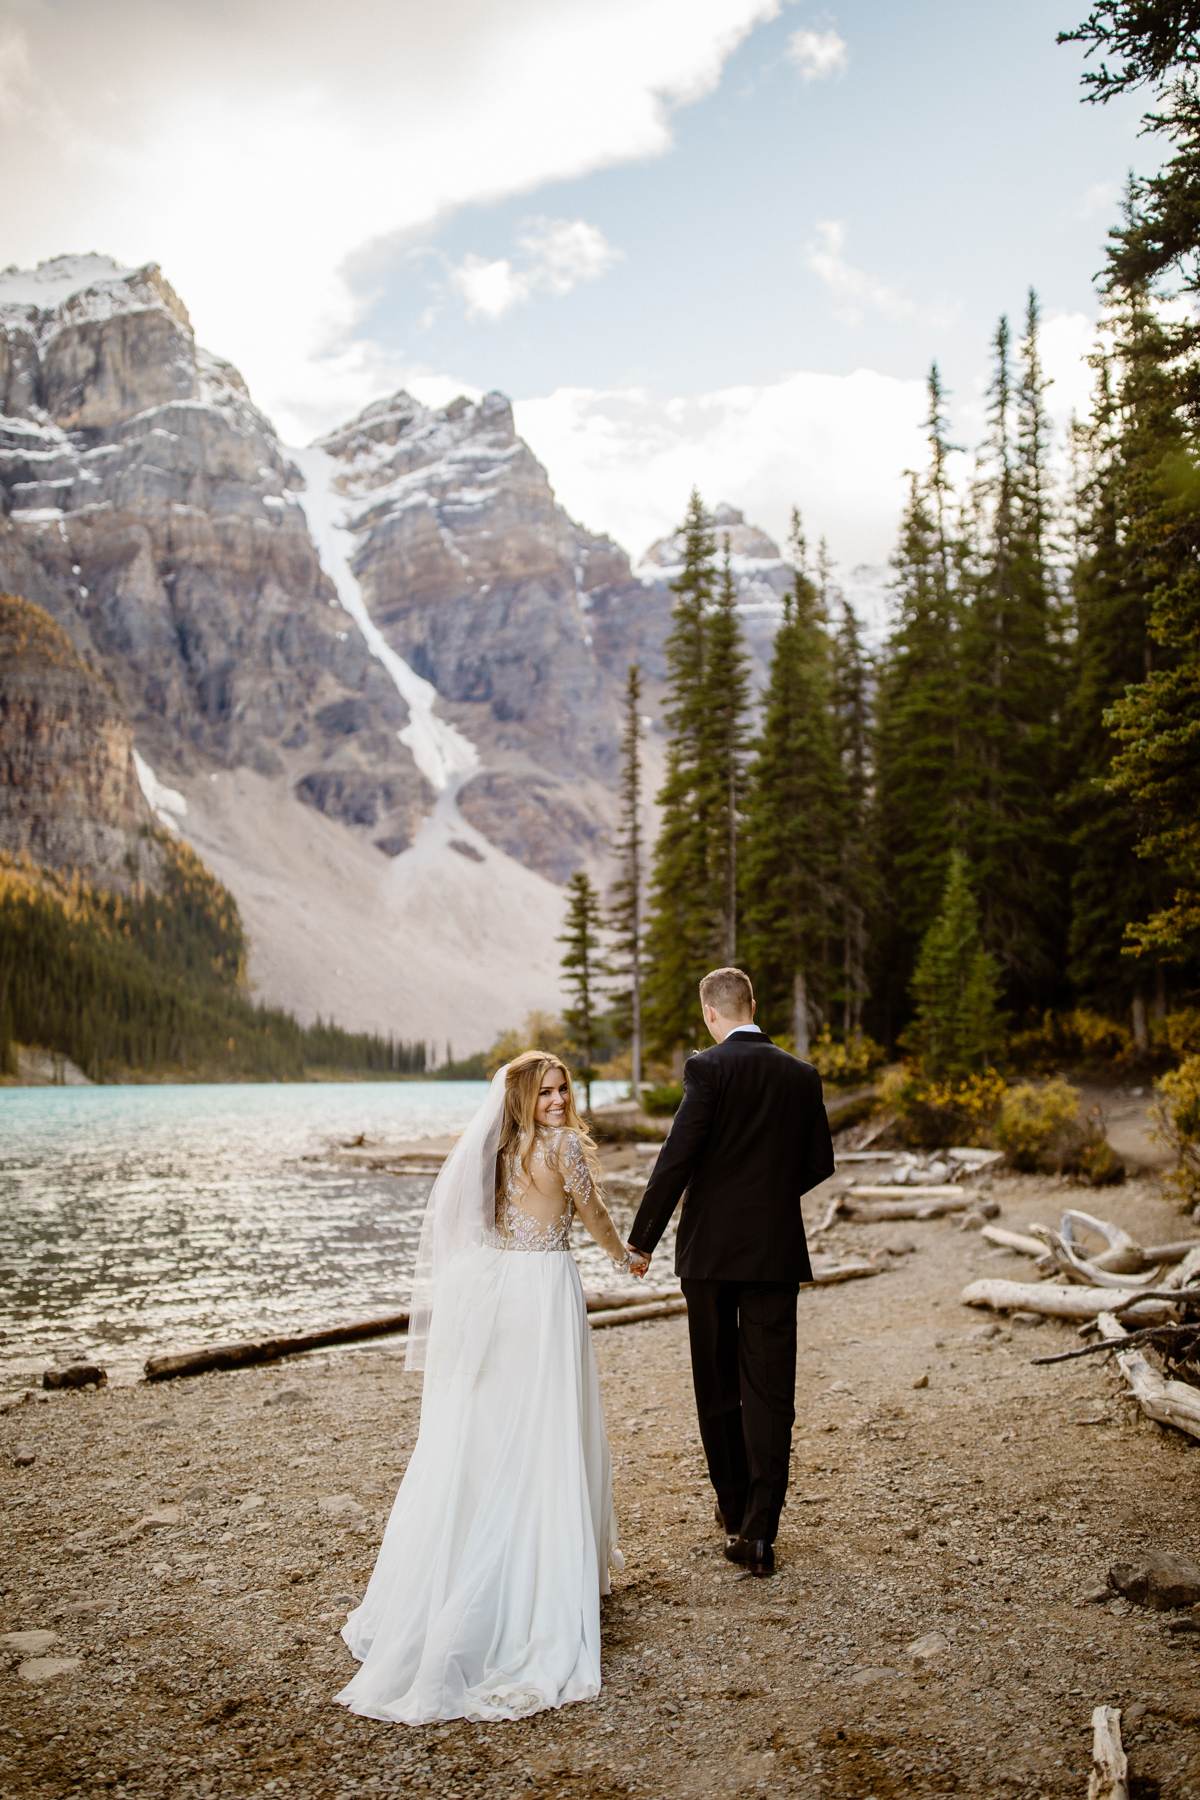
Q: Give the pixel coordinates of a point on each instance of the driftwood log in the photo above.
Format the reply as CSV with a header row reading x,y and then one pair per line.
x,y
876,1212
1057,1301
908,1191
1014,1240
1122,1255
1109,1779
1061,1255
264,1350
1168,1402
632,1314
835,1272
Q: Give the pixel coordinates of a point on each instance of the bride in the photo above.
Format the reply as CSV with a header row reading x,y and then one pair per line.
x,y
485,1598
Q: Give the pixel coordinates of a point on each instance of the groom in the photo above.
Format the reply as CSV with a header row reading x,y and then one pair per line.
x,y
750,1137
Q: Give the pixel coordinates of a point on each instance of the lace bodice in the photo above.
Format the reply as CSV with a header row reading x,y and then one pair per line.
x,y
559,1150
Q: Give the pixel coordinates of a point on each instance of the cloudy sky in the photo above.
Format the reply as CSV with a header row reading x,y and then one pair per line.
x,y
711,241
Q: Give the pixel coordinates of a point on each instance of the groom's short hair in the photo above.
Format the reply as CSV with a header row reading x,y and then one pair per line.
x,y
728,991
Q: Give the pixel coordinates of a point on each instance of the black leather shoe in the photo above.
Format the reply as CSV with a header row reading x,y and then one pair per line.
x,y
755,1555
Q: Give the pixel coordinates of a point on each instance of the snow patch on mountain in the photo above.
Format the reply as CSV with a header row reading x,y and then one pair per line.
x,y
168,803
443,755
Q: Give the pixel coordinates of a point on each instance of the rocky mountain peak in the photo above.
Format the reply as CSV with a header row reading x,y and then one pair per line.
x,y
72,794
747,545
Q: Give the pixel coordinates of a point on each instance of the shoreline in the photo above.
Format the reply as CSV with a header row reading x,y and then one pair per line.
x,y
932,1627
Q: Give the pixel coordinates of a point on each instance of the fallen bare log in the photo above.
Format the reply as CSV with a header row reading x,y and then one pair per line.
x,y
602,1302
1061,1255
262,1350
1109,1779
1167,1402
835,1272
632,1315
1013,1240
909,1191
1181,1285
971,1158
1123,1255
830,1215
879,1211
1171,1253
1056,1301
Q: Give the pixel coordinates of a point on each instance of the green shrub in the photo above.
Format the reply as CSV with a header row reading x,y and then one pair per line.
x,y
932,1114
1177,1117
1075,1039
1178,1034
1035,1122
1040,1126
658,1101
850,1059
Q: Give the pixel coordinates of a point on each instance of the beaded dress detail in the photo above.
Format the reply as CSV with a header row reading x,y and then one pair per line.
x,y
559,1150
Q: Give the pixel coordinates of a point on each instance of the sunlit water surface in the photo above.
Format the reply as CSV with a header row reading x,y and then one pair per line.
x,y
135,1220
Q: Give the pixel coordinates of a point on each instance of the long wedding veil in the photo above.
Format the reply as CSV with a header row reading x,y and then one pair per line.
x,y
460,1210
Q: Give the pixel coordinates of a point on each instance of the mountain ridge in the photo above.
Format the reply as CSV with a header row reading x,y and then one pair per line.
x,y
367,653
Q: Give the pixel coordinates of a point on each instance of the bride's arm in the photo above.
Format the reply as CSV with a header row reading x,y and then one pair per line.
x,y
577,1181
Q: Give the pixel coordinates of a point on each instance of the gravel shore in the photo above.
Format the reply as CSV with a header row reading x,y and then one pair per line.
x,y
185,1555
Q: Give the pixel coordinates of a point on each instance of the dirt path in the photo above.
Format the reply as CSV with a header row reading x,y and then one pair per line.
x,y
982,1507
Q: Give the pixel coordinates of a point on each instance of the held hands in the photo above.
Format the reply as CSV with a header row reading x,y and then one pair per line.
x,y
639,1262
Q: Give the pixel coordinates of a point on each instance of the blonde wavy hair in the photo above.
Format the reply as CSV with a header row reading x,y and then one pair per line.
x,y
522,1083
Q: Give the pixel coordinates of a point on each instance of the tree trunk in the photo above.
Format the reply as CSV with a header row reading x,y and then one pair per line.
x,y
800,1014
635,1046
1141,1035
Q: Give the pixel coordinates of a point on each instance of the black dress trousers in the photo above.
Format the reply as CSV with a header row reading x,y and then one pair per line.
x,y
743,1343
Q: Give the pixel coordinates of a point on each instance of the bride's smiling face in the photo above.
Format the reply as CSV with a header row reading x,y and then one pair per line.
x,y
552,1098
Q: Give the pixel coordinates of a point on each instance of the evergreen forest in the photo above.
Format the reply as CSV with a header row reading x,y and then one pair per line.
x,y
153,982
1029,733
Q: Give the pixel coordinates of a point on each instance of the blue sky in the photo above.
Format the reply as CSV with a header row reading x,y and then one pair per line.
x,y
695,240
952,149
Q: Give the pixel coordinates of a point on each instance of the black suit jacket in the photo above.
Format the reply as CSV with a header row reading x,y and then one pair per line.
x,y
751,1135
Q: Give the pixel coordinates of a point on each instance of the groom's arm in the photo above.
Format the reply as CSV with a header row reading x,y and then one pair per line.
x,y
678,1156
818,1147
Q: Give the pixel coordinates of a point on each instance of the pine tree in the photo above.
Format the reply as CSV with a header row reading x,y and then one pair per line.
x,y
582,965
790,861
917,796
1157,722
956,1026
1010,693
1109,883
1155,44
625,910
722,772
679,929
851,740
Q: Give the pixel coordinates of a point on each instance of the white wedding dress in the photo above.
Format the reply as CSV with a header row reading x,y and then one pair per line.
x,y
485,1598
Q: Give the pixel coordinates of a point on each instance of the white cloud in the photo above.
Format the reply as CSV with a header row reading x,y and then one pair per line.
x,y
856,291
489,288
557,255
566,252
818,54
624,460
255,163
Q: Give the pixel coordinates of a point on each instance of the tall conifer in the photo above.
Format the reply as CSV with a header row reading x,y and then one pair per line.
x,y
583,967
790,861
917,799
1009,693
722,774
626,908
851,732
679,927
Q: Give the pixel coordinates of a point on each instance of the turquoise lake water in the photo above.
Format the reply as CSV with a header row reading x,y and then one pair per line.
x,y
135,1220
